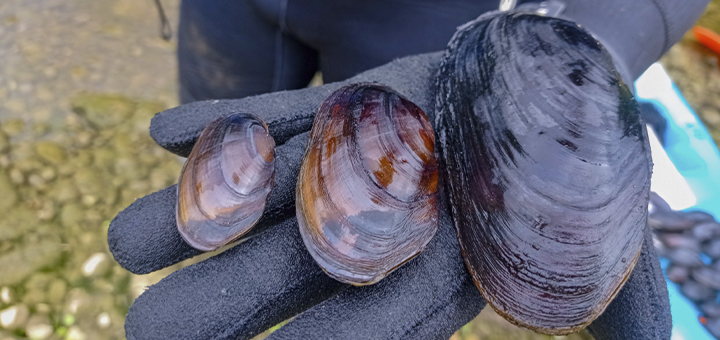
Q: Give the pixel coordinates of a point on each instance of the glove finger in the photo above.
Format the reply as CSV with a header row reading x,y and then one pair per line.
x,y
641,310
236,294
144,237
429,297
289,113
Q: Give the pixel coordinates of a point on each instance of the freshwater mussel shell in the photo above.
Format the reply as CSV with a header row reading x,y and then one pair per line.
x,y
547,166
225,182
367,191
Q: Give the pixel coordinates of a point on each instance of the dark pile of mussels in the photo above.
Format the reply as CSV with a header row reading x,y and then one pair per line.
x,y
685,238
545,161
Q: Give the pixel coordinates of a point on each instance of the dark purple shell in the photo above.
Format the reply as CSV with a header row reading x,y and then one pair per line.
x,y
367,191
225,182
547,166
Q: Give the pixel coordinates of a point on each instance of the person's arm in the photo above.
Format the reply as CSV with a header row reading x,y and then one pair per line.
x,y
638,32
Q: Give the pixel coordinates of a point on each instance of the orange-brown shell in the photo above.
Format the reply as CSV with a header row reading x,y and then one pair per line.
x,y
225,182
367,190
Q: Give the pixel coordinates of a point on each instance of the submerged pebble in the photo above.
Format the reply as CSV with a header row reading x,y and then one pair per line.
x,y
8,195
14,317
50,152
103,111
39,327
4,142
12,127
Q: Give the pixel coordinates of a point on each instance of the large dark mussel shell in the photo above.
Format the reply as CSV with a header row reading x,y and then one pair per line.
x,y
367,191
225,182
547,165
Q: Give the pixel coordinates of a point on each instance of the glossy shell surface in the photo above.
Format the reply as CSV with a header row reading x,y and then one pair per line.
x,y
547,167
367,190
226,181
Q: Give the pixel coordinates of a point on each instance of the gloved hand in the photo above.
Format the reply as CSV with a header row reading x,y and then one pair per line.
x,y
271,277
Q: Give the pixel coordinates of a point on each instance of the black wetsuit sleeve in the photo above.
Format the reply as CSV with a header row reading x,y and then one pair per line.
x,y
638,32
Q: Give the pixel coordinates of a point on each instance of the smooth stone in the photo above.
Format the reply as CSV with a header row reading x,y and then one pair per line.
x,y
105,158
36,288
75,333
14,317
83,159
71,215
12,127
48,173
96,265
19,264
51,152
144,113
83,138
65,191
4,142
6,295
103,110
17,224
29,164
56,291
8,195
89,181
40,129
39,327
37,182
16,176
47,212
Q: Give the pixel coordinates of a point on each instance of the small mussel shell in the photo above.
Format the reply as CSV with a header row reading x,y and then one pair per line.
x,y
367,191
547,167
225,182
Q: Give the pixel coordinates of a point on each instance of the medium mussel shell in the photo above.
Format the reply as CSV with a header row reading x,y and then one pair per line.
x,y
225,182
547,166
367,191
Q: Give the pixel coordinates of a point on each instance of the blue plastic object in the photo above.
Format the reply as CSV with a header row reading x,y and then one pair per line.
x,y
696,157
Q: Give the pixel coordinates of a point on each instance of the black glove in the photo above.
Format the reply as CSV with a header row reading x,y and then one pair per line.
x,y
271,277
